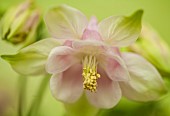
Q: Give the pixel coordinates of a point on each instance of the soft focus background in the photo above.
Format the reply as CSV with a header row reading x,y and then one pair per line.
x,y
156,13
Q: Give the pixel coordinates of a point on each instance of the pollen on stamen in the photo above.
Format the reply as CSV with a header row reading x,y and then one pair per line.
x,y
90,74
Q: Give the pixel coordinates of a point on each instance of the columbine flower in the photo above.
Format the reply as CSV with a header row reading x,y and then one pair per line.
x,y
89,60
19,24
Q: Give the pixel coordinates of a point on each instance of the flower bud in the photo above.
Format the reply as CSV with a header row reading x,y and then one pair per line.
x,y
19,24
153,48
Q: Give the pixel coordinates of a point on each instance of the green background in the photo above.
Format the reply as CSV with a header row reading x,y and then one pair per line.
x,y
156,13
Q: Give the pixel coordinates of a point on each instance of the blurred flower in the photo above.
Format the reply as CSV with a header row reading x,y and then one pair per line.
x,y
153,48
19,24
86,55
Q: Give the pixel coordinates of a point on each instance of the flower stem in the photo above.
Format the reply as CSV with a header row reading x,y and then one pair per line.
x,y
22,83
37,101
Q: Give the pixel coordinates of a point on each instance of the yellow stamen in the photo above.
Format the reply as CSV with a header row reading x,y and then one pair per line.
x,y
90,74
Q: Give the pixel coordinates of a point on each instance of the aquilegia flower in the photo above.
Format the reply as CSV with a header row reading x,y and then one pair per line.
x,y
88,59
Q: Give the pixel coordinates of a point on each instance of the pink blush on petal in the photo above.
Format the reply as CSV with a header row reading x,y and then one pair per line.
x,y
91,34
91,31
68,43
67,86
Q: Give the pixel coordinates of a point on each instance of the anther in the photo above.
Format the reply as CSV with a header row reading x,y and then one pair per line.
x,y
90,74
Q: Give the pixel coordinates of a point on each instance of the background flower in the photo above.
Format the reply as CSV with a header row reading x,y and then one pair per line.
x,y
154,48
19,24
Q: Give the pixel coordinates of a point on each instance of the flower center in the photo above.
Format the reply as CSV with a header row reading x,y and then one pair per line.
x,y
90,74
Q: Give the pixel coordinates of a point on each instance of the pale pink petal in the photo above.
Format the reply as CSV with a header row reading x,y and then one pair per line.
x,y
115,67
115,50
60,59
91,32
108,93
92,25
146,83
91,35
92,47
67,86
65,22
68,43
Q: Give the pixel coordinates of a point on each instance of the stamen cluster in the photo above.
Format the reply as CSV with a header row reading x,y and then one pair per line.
x,y
90,74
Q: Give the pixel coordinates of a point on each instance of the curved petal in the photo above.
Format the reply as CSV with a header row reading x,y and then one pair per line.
x,y
92,47
146,83
121,31
60,59
115,67
65,22
108,92
31,59
68,43
67,86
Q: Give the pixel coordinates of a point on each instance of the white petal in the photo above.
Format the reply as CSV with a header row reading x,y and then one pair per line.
x,y
67,86
146,83
121,31
65,22
60,59
108,93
